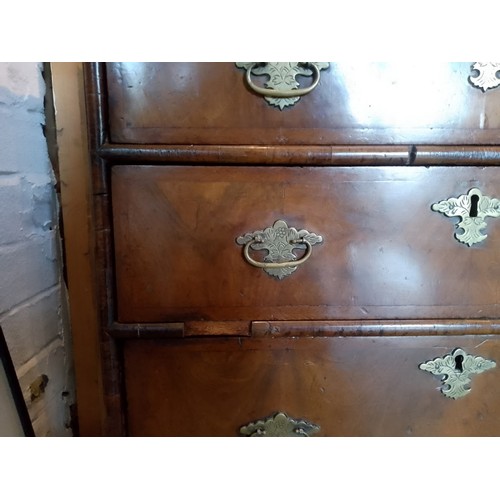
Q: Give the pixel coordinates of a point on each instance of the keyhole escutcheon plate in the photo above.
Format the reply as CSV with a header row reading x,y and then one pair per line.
x,y
472,208
455,370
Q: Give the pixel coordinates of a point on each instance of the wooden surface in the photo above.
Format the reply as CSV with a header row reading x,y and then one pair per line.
x,y
385,254
354,103
196,342
347,386
76,206
235,156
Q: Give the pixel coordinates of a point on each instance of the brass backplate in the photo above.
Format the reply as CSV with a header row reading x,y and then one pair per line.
x,y
455,370
279,241
282,88
472,208
279,425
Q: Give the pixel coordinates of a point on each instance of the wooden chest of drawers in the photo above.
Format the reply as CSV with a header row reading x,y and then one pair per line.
x,y
296,268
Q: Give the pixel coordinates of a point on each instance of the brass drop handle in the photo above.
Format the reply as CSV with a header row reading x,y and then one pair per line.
x,y
277,265
280,92
279,241
282,89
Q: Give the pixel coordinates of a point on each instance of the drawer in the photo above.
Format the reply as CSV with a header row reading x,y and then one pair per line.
x,y
345,386
260,267
385,254
361,103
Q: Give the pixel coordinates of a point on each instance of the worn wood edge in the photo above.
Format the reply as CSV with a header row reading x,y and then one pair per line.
x,y
319,328
97,127
217,328
373,328
74,161
145,330
179,330
97,121
301,155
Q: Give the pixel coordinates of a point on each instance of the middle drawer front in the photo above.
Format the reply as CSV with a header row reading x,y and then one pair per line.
x,y
384,254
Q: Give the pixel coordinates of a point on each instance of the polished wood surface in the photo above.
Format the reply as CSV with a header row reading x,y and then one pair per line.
x,y
76,207
196,342
301,155
347,386
385,254
354,103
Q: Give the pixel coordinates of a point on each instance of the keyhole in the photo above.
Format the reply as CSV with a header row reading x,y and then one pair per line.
x,y
474,199
458,363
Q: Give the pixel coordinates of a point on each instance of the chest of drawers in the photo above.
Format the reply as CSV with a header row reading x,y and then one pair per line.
x,y
303,265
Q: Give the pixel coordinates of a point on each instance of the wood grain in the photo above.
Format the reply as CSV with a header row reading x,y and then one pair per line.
x,y
347,386
385,254
355,103
193,341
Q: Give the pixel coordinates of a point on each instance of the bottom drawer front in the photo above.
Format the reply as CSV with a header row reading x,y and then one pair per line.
x,y
344,386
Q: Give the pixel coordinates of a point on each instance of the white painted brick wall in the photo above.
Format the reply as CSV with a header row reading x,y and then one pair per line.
x,y
33,309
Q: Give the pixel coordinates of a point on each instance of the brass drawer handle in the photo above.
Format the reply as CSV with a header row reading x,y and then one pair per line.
x,y
455,370
276,265
281,89
270,92
279,241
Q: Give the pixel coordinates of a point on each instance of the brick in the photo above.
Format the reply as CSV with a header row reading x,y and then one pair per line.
x,y
23,147
22,80
28,207
13,204
49,412
32,312
42,202
27,269
30,328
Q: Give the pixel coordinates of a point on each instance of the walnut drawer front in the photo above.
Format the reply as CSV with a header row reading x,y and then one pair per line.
x,y
385,254
361,103
345,386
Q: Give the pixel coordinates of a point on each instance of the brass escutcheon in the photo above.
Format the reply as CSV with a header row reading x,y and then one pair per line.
x,y
455,370
472,208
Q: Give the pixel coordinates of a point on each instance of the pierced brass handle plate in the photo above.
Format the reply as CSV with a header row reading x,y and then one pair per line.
x,y
486,76
473,208
279,241
282,88
279,425
455,370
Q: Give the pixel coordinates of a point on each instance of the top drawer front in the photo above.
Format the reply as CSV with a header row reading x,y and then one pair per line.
x,y
359,103
385,254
